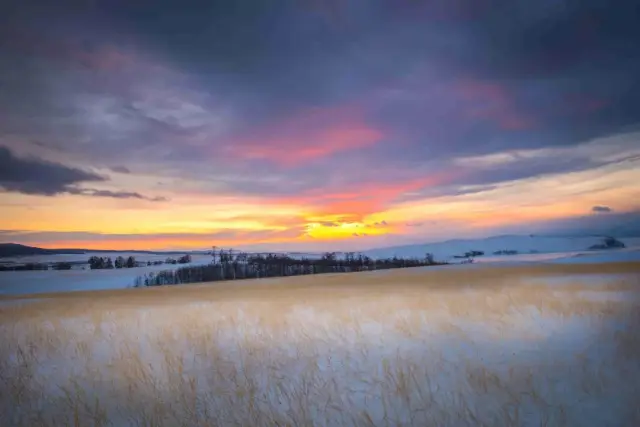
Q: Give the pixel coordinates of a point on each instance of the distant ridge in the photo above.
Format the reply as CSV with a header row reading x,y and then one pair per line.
x,y
529,243
15,249
497,245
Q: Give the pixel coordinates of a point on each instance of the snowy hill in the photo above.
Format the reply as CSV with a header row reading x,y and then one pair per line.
x,y
534,244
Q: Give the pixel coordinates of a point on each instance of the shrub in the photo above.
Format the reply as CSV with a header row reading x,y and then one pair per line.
x,y
62,266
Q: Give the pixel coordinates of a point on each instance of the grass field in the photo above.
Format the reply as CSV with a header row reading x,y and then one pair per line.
x,y
545,345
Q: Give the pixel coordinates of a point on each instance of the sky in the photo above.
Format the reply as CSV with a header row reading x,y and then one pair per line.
x,y
313,124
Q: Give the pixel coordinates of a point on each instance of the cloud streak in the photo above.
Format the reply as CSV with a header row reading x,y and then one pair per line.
x,y
601,209
39,177
157,241
34,176
113,194
305,137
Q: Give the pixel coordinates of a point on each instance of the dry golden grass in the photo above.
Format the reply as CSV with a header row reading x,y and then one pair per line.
x,y
483,346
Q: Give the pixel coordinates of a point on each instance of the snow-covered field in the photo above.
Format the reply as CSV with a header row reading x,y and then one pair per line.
x,y
28,282
469,346
616,255
550,249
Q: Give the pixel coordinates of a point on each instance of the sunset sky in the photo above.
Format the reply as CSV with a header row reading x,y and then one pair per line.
x,y
315,125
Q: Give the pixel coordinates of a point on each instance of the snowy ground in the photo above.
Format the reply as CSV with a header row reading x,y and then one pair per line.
x,y
617,255
552,249
475,345
27,282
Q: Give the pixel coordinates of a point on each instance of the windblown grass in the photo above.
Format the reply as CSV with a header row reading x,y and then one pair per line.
x,y
478,347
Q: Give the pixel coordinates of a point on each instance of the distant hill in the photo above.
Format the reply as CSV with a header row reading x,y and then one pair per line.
x,y
443,251
15,249
499,245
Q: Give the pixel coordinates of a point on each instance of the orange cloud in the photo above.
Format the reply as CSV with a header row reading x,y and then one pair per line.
x,y
346,205
340,215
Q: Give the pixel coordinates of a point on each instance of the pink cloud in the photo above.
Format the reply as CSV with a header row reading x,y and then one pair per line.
x,y
104,58
313,134
584,103
99,57
491,101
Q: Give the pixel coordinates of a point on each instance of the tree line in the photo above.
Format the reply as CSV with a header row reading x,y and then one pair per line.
x,y
32,266
227,265
95,263
101,263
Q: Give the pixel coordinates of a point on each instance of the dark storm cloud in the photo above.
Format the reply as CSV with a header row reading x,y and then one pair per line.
x,y
120,169
113,194
522,169
620,224
169,85
601,209
534,50
35,176
39,177
330,224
